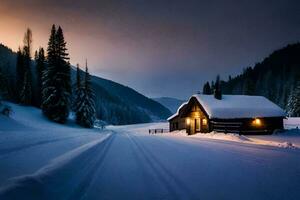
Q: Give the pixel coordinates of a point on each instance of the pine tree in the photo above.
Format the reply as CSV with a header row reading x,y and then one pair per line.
x,y
78,78
217,89
79,96
26,95
78,90
48,88
86,113
57,79
248,87
26,91
20,72
293,107
206,88
212,87
3,85
40,67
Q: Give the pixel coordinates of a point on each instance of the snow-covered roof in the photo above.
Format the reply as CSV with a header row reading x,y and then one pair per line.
x,y
181,106
237,106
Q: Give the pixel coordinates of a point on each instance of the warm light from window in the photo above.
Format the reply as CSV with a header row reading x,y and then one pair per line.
x,y
257,122
204,121
188,121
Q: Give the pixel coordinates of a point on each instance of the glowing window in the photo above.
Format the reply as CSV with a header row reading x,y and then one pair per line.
x,y
256,122
188,121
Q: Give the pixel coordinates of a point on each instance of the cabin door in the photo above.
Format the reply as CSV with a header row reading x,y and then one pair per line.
x,y
197,125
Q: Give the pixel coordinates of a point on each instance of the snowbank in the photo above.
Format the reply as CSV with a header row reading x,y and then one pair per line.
x,y
32,117
286,139
292,122
270,140
9,124
29,141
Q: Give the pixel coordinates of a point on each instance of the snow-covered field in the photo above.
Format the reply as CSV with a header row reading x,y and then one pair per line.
x,y
44,160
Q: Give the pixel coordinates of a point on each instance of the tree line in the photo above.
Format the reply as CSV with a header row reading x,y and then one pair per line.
x,y
53,91
277,78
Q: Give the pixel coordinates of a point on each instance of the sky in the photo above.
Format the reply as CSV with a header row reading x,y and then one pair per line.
x,y
158,47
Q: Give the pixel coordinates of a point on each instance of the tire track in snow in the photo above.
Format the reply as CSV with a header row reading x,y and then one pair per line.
x,y
6,151
175,186
145,174
82,187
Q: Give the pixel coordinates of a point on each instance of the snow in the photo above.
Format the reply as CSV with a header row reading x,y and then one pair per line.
x,y
29,141
237,106
44,160
285,139
292,122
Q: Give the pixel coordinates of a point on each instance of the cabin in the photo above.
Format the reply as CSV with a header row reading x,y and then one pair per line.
x,y
240,114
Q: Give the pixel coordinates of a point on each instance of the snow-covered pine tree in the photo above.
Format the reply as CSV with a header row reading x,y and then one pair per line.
x,y
79,92
293,107
48,88
57,79
86,113
26,92
40,67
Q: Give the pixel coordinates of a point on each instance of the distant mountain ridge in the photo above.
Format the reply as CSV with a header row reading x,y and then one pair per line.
x,y
275,77
171,103
115,103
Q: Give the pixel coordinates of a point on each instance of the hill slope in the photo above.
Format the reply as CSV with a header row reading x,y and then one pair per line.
x,y
171,103
274,77
115,103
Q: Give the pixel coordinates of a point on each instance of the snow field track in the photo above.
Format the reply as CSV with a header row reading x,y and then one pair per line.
x,y
56,180
176,188
128,163
93,165
5,151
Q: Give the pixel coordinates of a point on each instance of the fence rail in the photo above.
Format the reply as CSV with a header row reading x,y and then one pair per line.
x,y
158,130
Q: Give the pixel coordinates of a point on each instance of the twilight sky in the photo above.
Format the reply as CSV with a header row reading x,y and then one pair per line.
x,y
158,47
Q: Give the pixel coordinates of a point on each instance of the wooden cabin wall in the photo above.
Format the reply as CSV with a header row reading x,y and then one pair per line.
x,y
177,123
192,112
268,125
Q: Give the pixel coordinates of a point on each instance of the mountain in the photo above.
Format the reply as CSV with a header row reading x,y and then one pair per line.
x,y
275,77
171,103
115,103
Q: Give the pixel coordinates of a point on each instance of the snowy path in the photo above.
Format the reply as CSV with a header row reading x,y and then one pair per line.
x,y
127,163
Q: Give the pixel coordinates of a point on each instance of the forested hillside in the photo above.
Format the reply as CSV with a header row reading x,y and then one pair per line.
x,y
171,103
275,77
115,103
